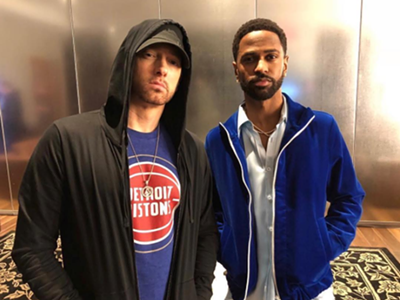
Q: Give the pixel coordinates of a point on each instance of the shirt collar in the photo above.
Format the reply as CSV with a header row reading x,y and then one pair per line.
x,y
243,119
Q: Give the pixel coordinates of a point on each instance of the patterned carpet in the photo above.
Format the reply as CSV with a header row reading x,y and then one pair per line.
x,y
11,284
366,273
359,273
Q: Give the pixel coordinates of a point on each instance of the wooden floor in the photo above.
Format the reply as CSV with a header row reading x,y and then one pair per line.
x,y
366,237
7,223
379,237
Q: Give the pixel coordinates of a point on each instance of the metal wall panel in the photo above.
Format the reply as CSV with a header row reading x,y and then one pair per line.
x,y
36,70
377,150
211,25
99,28
323,42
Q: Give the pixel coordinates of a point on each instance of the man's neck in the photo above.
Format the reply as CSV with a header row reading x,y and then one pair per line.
x,y
265,114
144,117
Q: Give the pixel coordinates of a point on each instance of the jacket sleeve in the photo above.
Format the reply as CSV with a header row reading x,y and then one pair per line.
x,y
218,214
40,202
345,194
208,240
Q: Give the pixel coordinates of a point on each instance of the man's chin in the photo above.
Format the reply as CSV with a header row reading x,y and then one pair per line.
x,y
156,102
261,96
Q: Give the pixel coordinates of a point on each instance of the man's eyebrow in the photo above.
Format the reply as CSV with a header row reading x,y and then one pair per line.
x,y
265,51
272,51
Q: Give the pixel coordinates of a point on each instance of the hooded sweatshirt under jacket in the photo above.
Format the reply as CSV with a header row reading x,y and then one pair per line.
x,y
76,184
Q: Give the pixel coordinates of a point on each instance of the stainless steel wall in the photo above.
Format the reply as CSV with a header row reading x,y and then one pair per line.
x,y
211,25
58,55
99,28
37,82
377,148
323,42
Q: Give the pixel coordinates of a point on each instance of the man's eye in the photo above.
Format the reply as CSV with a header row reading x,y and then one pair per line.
x,y
148,54
271,57
248,59
175,62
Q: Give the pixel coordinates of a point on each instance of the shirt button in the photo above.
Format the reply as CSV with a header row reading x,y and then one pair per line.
x,y
271,228
269,169
269,197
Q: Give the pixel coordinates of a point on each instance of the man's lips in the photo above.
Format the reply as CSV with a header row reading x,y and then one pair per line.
x,y
262,82
159,84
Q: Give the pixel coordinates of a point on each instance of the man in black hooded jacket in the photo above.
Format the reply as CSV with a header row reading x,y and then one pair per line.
x,y
126,187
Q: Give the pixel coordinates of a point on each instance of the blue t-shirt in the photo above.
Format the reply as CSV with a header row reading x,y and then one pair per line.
x,y
153,215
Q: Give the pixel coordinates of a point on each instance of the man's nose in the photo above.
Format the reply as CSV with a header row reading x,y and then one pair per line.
x,y
161,67
261,67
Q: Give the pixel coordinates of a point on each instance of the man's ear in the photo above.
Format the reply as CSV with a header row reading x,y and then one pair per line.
x,y
285,64
235,70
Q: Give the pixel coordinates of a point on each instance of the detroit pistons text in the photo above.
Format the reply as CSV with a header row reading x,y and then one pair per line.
x,y
158,204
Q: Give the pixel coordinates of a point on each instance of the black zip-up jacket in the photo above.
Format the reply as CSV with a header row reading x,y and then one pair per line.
x,y
76,184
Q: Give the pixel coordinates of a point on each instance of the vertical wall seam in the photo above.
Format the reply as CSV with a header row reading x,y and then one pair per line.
x,y
6,157
159,9
71,19
255,8
357,83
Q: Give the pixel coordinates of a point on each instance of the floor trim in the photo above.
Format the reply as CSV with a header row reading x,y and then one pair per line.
x,y
386,224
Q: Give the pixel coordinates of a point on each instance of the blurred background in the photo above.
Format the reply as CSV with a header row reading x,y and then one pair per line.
x,y
56,55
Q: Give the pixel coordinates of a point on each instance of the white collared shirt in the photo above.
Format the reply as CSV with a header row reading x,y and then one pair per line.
x,y
261,167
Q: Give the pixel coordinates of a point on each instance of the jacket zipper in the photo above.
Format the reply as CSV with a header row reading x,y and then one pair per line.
x,y
171,272
250,215
130,228
273,208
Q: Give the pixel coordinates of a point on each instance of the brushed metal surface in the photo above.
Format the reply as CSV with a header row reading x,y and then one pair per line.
x,y
37,71
99,27
323,42
377,151
214,94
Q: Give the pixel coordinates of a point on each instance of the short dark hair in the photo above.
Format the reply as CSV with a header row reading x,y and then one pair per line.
x,y
255,25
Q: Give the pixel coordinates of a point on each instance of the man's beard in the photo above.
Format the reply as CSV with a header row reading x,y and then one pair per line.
x,y
150,96
260,93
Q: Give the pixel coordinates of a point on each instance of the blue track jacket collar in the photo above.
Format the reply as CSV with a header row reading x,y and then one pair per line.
x,y
298,117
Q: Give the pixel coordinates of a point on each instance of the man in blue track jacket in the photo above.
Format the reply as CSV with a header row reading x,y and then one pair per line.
x,y
276,164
